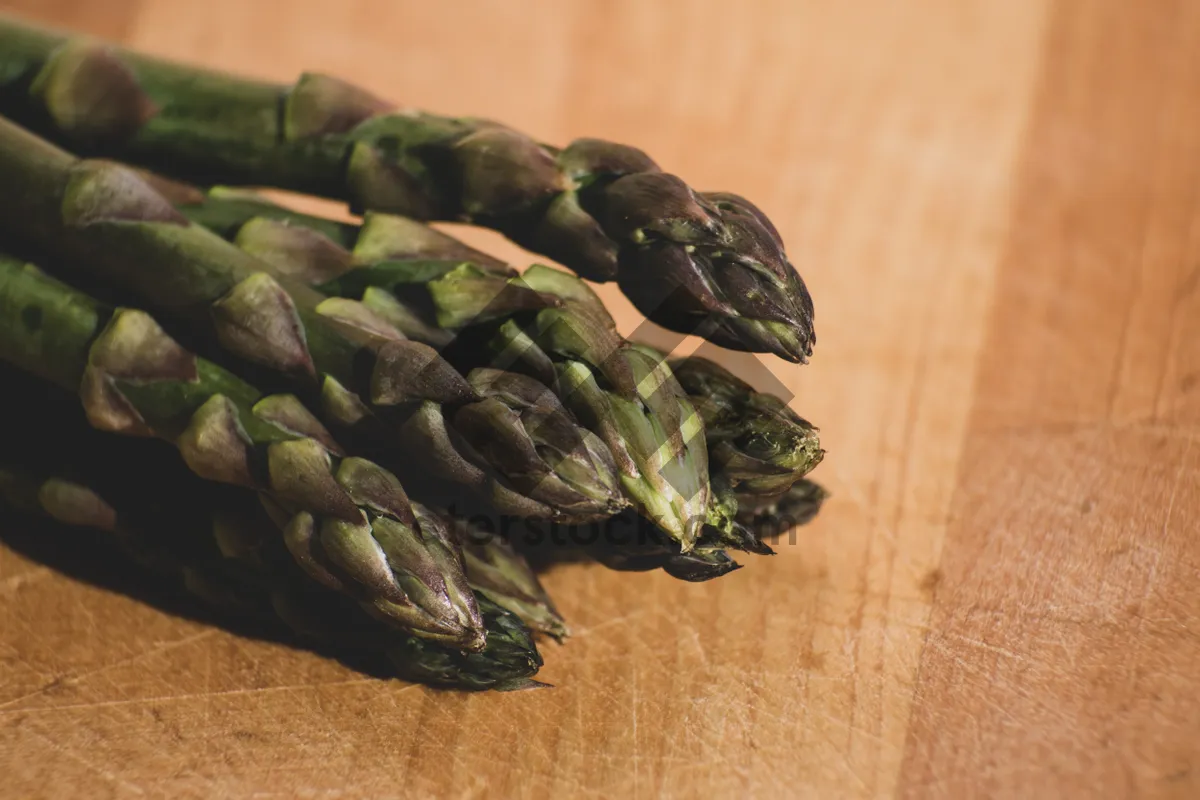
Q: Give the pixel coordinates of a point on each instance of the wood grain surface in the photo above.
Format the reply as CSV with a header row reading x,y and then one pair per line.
x,y
997,207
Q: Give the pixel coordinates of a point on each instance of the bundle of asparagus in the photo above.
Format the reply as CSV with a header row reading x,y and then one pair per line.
x,y
376,420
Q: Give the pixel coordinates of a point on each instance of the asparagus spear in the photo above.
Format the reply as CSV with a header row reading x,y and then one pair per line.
x,y
528,458
438,283
756,443
61,499
507,661
710,263
347,520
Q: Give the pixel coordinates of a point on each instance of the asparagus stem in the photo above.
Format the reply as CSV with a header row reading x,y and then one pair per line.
x,y
359,371
347,520
759,446
710,263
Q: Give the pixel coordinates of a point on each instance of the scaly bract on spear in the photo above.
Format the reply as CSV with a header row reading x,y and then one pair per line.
x,y
709,263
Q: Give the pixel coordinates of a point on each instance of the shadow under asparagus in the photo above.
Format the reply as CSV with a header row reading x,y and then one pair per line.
x,y
197,550
88,556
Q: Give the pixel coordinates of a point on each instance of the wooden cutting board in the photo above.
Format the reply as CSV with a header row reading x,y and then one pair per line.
x,y
997,207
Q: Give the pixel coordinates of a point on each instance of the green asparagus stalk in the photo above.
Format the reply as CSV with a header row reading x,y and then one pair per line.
x,y
493,569
571,344
347,521
101,219
508,660
710,263
440,285
757,445
61,499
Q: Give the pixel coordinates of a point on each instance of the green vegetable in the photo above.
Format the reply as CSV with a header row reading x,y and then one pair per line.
x,y
708,263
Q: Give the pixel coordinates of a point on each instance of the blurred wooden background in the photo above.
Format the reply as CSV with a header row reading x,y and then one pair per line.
x,y
996,205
